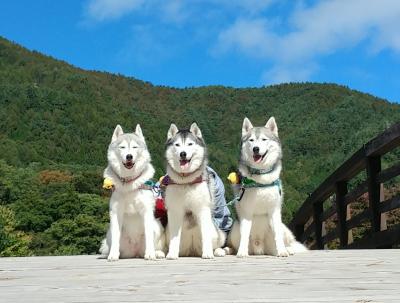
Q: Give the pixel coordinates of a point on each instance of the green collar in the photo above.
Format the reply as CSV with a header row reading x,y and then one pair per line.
x,y
250,183
256,171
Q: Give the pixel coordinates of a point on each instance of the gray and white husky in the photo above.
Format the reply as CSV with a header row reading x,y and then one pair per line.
x,y
259,229
133,232
189,197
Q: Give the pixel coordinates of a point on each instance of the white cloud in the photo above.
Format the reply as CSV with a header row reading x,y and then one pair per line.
x,y
175,10
319,30
284,73
250,6
253,37
147,47
171,11
101,10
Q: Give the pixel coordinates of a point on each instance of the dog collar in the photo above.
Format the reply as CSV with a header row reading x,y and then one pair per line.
x,y
249,183
168,181
185,174
126,180
256,171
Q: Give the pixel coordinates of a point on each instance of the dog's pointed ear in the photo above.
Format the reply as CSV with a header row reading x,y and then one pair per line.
x,y
117,132
173,130
195,130
247,126
271,125
138,131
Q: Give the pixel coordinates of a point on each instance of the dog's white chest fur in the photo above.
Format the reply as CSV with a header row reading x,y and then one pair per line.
x,y
188,197
260,200
133,202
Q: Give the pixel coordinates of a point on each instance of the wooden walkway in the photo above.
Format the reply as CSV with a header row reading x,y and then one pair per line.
x,y
317,276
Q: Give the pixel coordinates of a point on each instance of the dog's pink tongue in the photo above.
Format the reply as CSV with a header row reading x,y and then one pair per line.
x,y
257,158
184,164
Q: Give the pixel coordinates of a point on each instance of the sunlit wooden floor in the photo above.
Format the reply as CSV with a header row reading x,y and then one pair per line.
x,y
316,276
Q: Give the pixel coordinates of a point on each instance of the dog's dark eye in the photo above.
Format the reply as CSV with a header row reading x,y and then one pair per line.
x,y
177,144
251,140
122,147
135,146
190,144
264,139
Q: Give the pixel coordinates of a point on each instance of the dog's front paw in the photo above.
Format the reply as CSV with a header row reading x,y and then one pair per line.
x,y
150,255
113,256
242,254
282,252
160,254
228,250
172,256
208,255
290,250
219,252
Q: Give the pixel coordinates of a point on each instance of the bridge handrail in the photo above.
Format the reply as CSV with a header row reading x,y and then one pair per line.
x,y
366,158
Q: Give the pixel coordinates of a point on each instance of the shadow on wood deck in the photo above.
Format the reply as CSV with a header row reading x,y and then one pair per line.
x,y
316,276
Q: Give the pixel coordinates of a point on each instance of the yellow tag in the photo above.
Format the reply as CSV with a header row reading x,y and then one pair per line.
x,y
108,183
233,178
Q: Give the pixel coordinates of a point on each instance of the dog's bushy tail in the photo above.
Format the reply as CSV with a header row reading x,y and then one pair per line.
x,y
291,243
104,248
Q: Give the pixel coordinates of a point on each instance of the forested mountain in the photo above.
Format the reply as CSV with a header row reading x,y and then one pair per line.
x,y
57,120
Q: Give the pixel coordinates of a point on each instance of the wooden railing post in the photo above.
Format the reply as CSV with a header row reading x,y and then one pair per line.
x,y
323,233
317,212
341,191
348,217
374,191
384,215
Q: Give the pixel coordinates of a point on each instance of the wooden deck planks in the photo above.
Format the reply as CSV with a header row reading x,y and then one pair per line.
x,y
316,276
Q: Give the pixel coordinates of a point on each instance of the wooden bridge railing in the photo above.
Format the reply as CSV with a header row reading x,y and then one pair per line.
x,y
310,219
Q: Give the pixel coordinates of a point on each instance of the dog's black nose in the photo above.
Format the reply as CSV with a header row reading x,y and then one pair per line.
x,y
129,157
183,155
256,149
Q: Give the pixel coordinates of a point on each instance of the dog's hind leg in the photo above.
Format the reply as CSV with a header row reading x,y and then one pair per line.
x,y
228,250
233,240
277,231
219,252
160,254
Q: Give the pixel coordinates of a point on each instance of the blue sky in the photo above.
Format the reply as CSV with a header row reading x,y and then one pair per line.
x,y
219,42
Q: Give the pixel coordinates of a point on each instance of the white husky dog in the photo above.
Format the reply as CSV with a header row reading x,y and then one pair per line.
x,y
133,232
189,197
260,229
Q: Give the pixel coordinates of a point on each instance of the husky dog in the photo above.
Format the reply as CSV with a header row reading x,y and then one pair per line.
x,y
189,197
133,232
259,229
